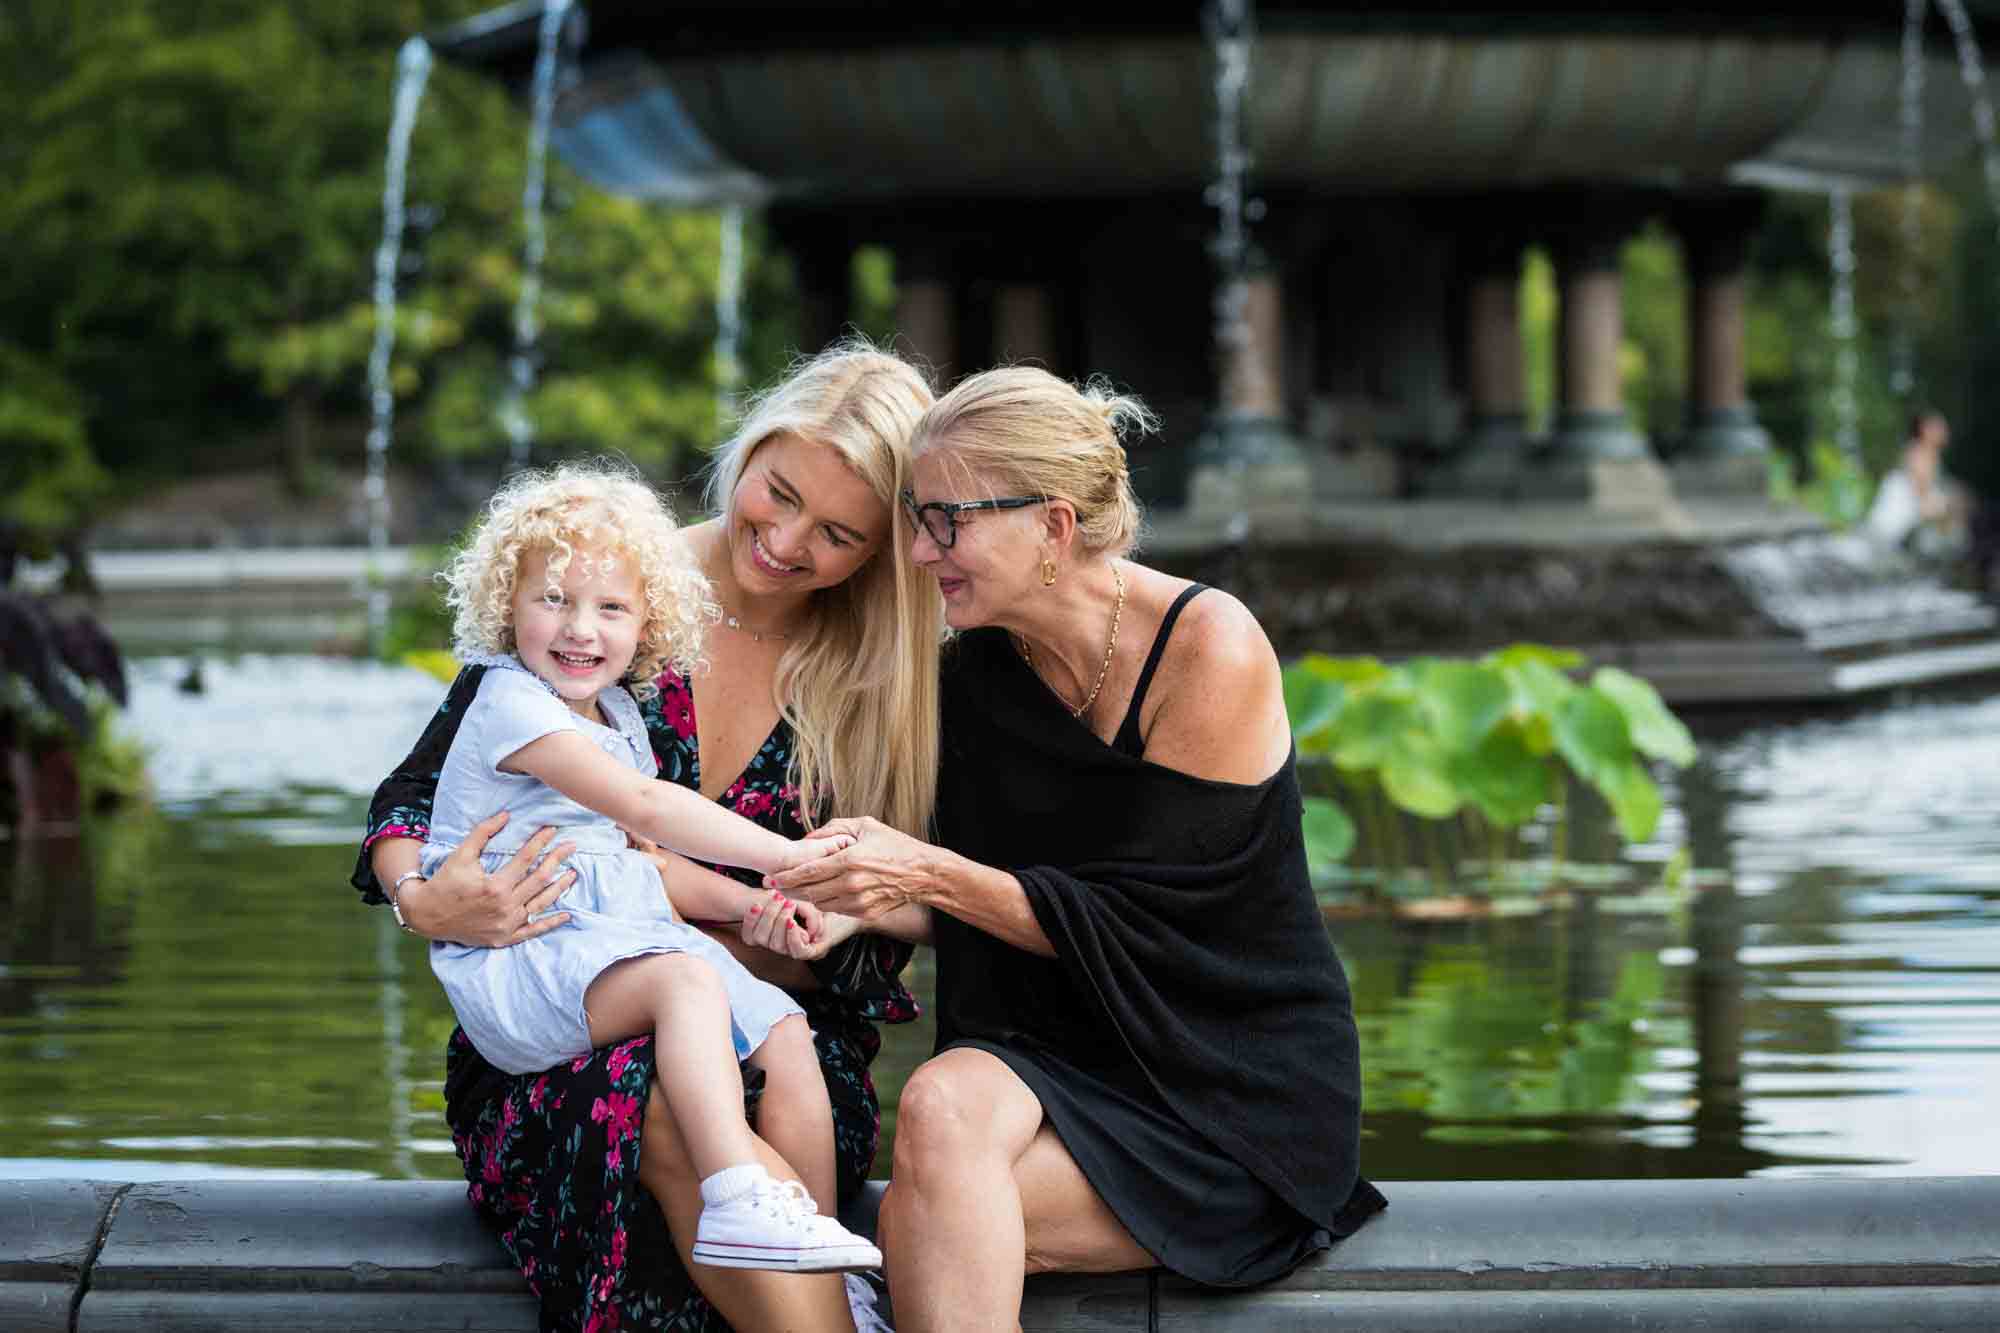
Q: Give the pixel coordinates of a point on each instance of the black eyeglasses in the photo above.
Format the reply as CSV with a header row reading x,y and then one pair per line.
x,y
940,517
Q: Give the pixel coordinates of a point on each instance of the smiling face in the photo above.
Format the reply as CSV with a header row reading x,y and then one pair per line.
x,y
799,520
994,562
579,636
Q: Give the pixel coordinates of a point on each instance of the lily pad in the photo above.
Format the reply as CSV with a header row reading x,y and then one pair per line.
x,y
1655,730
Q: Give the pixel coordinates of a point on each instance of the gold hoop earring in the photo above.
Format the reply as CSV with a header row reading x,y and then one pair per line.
x,y
1048,572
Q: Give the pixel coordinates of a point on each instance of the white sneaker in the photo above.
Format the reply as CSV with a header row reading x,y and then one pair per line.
x,y
774,1225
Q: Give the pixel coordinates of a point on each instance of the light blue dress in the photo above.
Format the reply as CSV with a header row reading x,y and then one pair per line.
x,y
522,1006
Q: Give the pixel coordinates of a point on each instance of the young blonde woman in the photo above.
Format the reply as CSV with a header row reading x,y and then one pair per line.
x,y
1146,1048
819,694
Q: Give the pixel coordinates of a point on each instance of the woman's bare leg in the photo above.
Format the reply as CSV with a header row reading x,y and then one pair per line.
x,y
748,1298
794,1116
980,1191
1070,1229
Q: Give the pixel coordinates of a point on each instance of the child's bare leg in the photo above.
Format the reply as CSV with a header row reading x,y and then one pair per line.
x,y
680,999
746,1297
794,1116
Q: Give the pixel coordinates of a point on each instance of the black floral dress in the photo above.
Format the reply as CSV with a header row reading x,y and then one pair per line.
x,y
552,1159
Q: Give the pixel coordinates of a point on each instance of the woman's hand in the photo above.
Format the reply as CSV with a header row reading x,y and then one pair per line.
x,y
885,869
463,903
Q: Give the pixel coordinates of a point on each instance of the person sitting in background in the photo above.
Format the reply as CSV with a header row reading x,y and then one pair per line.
x,y
1916,506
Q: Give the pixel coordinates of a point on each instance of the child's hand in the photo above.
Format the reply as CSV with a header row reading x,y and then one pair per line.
x,y
808,923
793,928
812,849
782,925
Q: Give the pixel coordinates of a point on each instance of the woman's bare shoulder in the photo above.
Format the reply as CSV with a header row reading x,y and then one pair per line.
x,y
1220,701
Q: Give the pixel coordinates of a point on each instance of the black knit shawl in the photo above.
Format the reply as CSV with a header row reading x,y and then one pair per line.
x,y
1188,946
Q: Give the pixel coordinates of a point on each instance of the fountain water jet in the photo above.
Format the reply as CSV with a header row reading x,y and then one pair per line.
x,y
729,314
1903,378
1245,460
514,419
1842,324
413,68
1972,71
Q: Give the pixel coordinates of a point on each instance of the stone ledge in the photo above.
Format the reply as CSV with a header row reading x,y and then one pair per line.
x,y
410,1256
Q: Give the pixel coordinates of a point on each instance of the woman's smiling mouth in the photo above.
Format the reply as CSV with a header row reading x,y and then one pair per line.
x,y
767,562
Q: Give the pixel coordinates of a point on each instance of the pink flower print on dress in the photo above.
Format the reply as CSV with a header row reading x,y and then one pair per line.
x,y
677,704
621,1058
619,1114
753,804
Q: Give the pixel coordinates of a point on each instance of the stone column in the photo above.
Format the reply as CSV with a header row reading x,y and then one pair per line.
x,y
1594,453
927,306
1592,424
1247,466
1726,449
1024,324
1494,445
1253,370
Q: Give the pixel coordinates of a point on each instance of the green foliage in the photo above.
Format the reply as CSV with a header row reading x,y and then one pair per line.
x,y
110,766
1837,487
1653,356
1789,350
1538,306
49,481
193,207
1498,737
873,295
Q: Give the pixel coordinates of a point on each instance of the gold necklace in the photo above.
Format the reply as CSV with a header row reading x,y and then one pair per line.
x,y
1110,647
756,636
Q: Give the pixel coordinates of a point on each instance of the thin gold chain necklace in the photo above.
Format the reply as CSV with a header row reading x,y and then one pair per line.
x,y
1110,647
756,635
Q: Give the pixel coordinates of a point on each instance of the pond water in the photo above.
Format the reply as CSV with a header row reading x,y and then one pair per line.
x,y
194,990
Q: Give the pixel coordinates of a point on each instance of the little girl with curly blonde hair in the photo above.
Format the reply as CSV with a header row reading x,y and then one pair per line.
x,y
575,586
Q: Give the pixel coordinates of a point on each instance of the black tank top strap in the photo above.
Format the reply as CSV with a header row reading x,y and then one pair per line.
x,y
1128,740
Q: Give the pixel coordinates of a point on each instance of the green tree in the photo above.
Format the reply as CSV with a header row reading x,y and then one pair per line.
x,y
1653,355
195,206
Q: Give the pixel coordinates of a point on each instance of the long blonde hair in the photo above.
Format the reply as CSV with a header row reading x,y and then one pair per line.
x,y
1047,437
859,684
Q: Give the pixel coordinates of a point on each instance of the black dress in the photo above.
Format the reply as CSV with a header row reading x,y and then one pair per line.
x,y
1193,1040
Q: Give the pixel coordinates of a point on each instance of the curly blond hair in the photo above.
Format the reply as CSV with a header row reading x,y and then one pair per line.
x,y
600,513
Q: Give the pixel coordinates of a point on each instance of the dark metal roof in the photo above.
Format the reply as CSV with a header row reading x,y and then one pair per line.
x,y
504,38
701,102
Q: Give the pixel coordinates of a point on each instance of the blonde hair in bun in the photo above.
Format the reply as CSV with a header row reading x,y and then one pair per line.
x,y
1044,436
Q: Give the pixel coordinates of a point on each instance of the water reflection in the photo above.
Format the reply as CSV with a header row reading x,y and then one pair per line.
x,y
195,991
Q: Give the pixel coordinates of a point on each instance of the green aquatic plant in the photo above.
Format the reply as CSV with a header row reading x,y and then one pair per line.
x,y
1486,743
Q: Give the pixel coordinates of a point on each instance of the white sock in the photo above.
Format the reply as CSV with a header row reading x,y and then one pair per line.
x,y
731,1181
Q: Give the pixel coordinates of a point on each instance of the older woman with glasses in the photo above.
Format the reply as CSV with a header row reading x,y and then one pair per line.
x,y
1146,1051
